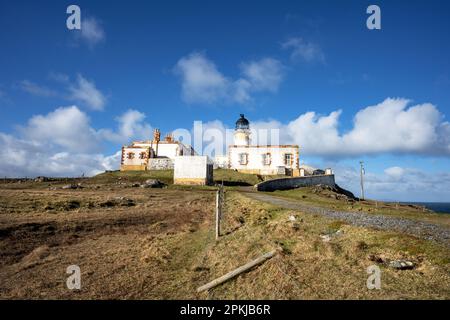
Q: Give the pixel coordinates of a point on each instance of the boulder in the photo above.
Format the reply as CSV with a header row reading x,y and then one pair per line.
x,y
72,186
152,183
69,186
401,264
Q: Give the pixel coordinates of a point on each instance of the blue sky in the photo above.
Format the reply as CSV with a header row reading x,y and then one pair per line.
x,y
69,99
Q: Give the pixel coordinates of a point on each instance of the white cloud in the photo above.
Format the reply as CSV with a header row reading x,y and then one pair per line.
x,y
26,158
86,92
63,143
216,138
391,126
303,50
66,127
81,91
131,126
35,89
317,135
91,31
265,74
203,83
394,172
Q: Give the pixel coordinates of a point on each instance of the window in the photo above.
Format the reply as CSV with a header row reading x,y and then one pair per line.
x,y
130,155
142,155
243,158
267,159
288,159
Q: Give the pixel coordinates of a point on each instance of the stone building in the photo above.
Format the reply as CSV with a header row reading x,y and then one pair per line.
x,y
259,159
153,154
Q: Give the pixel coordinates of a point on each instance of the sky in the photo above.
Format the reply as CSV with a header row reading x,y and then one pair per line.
x,y
69,99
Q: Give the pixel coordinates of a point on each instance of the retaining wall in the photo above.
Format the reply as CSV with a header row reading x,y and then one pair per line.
x,y
297,182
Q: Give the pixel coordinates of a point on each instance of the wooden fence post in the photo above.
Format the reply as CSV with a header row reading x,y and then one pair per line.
x,y
217,214
220,197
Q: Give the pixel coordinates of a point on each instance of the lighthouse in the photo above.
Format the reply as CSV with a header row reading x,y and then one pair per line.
x,y
242,132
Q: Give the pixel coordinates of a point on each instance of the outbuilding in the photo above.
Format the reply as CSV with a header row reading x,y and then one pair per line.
x,y
193,170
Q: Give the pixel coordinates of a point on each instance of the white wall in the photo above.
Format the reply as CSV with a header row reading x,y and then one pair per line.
x,y
193,167
255,159
136,160
169,150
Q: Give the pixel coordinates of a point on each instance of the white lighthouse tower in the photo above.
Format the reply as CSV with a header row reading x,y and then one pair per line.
x,y
242,132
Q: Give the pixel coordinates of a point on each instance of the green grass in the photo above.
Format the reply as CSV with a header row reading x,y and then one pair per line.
x,y
229,177
235,178
334,226
165,176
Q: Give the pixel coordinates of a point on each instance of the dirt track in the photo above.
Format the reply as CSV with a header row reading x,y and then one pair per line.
x,y
424,230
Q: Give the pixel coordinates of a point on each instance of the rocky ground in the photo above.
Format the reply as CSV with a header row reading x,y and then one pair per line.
x,y
416,228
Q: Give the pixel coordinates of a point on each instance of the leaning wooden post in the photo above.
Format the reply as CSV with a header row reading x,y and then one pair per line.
x,y
217,214
237,271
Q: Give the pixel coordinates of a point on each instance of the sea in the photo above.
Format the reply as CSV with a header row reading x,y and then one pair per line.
x,y
438,207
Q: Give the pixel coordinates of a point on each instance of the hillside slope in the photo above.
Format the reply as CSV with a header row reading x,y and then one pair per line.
x,y
144,243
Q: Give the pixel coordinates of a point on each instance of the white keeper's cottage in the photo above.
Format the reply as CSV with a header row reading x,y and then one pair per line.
x,y
259,159
154,154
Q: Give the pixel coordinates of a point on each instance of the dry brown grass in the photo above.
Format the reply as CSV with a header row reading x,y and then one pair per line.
x,y
163,247
308,268
121,250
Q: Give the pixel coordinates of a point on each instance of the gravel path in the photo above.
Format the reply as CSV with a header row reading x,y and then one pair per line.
x,y
419,229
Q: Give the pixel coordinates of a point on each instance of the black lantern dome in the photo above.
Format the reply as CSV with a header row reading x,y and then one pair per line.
x,y
242,123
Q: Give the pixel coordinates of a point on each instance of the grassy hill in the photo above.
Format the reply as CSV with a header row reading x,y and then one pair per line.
x,y
137,243
228,177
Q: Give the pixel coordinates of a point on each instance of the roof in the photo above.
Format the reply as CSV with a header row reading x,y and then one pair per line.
x,y
242,123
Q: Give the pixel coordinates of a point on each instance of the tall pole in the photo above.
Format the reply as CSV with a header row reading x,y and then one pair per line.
x,y
362,179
